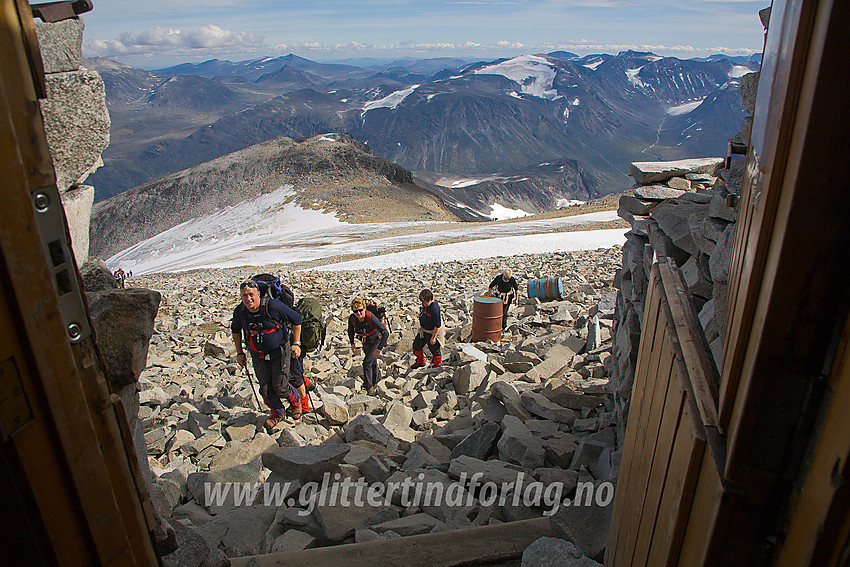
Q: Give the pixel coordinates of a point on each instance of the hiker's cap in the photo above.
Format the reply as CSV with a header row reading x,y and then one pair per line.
x,y
507,274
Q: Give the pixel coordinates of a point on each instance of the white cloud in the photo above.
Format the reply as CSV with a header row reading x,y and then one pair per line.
x,y
169,39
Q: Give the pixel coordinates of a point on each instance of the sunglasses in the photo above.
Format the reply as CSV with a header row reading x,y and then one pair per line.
x,y
361,310
249,284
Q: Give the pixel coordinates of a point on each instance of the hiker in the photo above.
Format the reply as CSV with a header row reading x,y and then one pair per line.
x,y
431,331
373,335
505,286
265,324
120,276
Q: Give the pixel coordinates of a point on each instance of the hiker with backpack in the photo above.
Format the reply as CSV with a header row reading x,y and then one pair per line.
x,y
431,331
505,286
366,326
272,334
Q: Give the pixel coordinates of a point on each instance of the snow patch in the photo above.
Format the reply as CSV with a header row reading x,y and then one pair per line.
x,y
564,203
738,71
594,65
684,108
632,75
498,212
390,101
534,75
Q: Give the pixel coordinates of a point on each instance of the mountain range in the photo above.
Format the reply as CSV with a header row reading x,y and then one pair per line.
x,y
539,128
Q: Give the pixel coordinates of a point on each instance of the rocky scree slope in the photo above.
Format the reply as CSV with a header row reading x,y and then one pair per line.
x,y
536,403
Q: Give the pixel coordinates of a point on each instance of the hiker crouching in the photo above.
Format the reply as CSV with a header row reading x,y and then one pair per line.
x,y
431,331
505,286
265,325
373,335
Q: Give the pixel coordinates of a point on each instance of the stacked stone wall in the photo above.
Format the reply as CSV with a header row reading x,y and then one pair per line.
x,y
76,123
684,210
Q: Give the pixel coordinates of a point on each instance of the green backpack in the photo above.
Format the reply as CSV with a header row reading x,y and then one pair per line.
x,y
312,328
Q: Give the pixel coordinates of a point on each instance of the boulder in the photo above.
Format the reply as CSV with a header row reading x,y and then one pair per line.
x,y
479,444
517,444
307,463
659,171
366,428
123,323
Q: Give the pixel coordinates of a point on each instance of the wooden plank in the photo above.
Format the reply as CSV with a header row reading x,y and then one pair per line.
x,y
660,468
647,435
692,344
675,507
477,546
701,527
646,370
648,335
62,440
812,523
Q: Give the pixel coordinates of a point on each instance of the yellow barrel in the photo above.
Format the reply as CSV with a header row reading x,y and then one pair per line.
x,y
486,319
546,289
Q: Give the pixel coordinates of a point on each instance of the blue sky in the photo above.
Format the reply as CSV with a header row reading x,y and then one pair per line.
x,y
157,33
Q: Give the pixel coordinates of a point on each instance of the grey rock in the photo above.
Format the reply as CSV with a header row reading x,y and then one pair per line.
x,y
242,452
466,378
679,183
340,521
293,540
60,44
493,470
541,406
308,463
510,398
722,256
658,171
366,427
636,206
657,193
96,276
479,444
555,552
123,322
334,409
517,445
409,525
560,449
76,123
77,202
585,526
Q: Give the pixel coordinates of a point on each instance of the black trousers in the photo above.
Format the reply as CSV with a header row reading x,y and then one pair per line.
x,y
371,374
271,372
419,343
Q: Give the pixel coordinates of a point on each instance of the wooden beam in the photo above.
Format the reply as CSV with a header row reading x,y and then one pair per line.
x,y
445,549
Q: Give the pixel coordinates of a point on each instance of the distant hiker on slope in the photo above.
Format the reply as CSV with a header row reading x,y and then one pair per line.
x,y
373,334
505,286
431,331
265,325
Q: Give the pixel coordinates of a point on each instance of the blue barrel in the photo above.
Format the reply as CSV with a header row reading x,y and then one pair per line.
x,y
486,319
546,289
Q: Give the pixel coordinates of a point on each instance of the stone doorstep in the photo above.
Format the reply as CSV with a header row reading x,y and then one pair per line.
x,y
457,547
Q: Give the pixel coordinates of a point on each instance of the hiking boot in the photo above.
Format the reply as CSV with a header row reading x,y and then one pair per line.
x,y
294,412
420,359
272,421
371,391
436,361
305,404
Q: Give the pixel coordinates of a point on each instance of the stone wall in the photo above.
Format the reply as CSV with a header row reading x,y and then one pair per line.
x,y
76,123
684,210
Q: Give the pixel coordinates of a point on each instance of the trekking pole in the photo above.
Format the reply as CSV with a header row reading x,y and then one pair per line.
x,y
256,397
